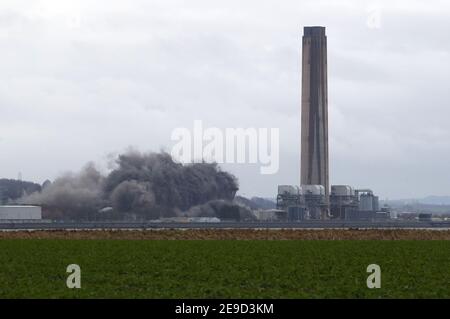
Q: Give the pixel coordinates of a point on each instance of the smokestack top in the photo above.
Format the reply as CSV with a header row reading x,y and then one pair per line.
x,y
314,31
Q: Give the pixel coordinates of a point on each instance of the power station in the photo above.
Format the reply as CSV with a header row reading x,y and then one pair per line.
x,y
313,199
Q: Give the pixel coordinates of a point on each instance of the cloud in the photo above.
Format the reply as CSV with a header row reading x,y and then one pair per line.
x,y
82,79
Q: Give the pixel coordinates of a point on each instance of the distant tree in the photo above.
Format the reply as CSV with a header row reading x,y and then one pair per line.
x,y
11,190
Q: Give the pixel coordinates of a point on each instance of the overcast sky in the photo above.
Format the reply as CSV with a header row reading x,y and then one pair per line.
x,y
80,80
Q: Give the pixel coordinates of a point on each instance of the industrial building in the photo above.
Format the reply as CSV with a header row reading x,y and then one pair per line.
x,y
306,202
20,213
314,199
344,201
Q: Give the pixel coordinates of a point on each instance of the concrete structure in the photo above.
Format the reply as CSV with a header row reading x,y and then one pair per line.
x,y
314,121
343,201
316,201
301,203
367,200
289,190
297,213
289,196
11,213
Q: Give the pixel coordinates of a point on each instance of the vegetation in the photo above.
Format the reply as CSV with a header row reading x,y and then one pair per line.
x,y
224,269
14,189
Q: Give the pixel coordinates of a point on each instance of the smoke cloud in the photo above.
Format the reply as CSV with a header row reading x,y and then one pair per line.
x,y
222,209
72,196
146,186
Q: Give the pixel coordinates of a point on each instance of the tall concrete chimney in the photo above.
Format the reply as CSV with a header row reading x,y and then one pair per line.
x,y
314,140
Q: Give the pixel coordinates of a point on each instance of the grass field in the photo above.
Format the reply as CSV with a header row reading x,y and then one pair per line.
x,y
223,269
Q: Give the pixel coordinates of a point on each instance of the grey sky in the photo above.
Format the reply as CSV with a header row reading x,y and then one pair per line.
x,y
82,79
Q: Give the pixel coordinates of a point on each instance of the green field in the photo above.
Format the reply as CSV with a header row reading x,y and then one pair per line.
x,y
224,269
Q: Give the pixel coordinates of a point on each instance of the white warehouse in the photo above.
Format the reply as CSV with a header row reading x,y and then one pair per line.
x,y
20,213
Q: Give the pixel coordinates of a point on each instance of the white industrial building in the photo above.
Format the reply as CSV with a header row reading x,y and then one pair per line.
x,y
8,213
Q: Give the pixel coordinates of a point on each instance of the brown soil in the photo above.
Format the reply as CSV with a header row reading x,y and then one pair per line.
x,y
233,234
